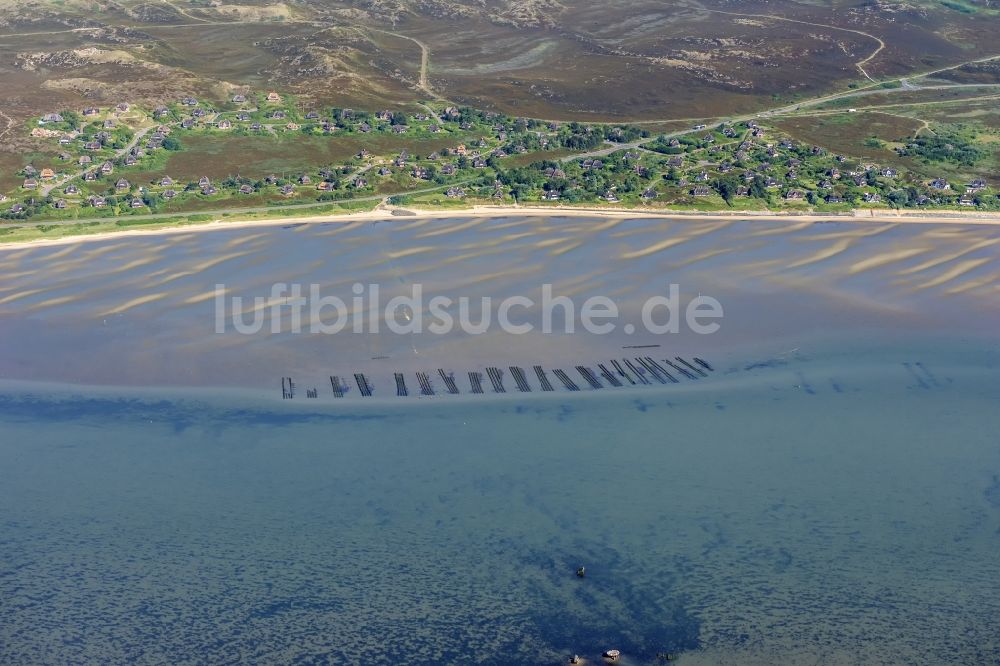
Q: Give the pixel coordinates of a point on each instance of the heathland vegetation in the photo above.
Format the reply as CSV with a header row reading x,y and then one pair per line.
x,y
270,150
130,113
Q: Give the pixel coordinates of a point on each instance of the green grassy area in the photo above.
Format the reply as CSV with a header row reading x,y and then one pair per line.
x,y
13,234
345,160
204,157
958,143
290,154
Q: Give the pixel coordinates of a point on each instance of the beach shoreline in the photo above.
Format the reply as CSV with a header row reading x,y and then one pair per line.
x,y
868,216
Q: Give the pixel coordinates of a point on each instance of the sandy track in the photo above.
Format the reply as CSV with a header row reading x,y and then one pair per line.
x,y
8,125
425,55
860,64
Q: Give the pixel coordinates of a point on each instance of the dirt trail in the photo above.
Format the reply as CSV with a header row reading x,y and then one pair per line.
x,y
425,60
876,87
8,126
794,109
925,125
788,109
860,64
182,12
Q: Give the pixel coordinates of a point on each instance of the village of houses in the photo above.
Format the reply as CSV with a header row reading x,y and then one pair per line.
x,y
104,152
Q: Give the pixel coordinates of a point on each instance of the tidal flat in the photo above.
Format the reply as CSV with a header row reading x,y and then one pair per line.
x,y
829,493
143,310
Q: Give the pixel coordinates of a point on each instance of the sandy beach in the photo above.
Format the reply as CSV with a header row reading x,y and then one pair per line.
x,y
408,213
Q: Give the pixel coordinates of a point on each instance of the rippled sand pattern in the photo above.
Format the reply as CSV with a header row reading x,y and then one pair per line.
x,y
118,296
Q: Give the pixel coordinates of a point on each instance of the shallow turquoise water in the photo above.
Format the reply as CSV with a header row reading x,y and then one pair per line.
x,y
830,495
836,507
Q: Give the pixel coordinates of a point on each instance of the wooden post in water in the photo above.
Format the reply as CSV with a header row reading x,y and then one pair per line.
x,y
608,375
678,368
650,369
567,382
496,377
621,371
662,370
519,379
589,377
638,374
363,386
449,381
425,384
476,382
703,364
698,370
543,379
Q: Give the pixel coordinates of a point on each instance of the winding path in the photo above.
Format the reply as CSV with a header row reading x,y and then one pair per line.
x,y
860,64
184,13
425,85
425,60
9,127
